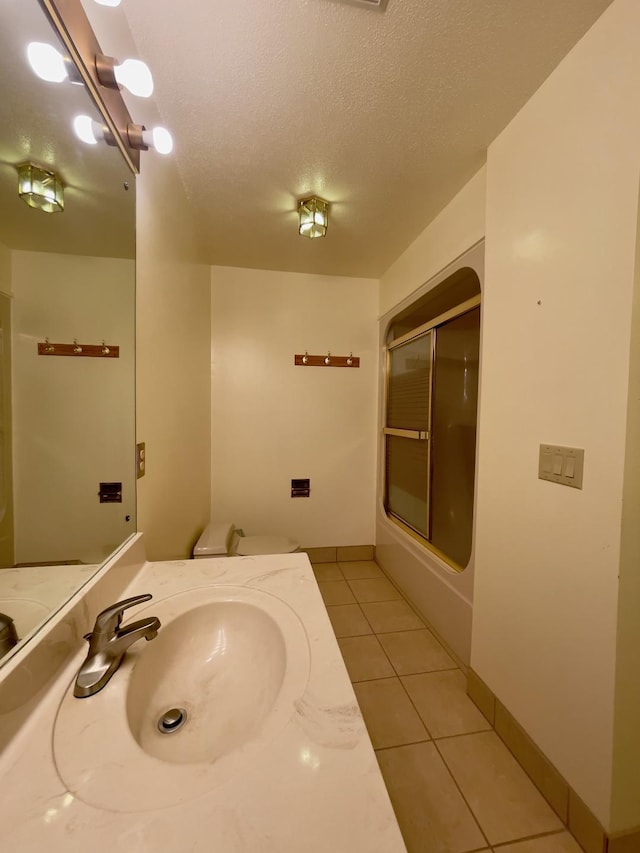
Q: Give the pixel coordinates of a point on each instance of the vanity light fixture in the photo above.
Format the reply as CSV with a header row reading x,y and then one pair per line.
x,y
158,138
40,189
104,77
49,64
90,131
313,216
133,74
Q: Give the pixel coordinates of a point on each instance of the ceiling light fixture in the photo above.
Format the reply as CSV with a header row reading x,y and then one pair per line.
x,y
40,189
108,2
313,216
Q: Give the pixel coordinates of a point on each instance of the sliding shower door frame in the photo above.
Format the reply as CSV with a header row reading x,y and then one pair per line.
x,y
429,328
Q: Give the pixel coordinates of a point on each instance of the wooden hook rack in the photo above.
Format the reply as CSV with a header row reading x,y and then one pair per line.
x,y
328,360
77,350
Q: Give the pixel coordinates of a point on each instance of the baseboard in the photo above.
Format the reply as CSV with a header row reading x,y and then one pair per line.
x,y
339,553
572,811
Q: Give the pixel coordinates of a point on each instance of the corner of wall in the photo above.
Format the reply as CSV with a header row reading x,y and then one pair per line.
x,y
173,364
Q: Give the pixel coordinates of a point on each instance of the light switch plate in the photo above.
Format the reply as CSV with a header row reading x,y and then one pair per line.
x,y
561,465
141,460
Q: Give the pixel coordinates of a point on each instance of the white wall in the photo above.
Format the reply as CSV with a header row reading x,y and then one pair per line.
x,y
272,421
72,418
173,364
456,228
562,196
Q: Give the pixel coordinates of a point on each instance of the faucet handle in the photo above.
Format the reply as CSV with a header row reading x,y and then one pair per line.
x,y
108,621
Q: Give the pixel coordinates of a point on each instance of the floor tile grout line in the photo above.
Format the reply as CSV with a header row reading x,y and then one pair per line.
x,y
466,802
377,749
499,845
396,675
455,782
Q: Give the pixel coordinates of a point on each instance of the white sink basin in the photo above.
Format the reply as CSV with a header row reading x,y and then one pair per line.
x,y
233,660
222,664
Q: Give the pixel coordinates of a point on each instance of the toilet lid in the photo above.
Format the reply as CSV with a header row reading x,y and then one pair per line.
x,y
252,546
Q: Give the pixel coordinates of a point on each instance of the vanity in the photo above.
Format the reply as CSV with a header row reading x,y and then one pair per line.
x,y
272,753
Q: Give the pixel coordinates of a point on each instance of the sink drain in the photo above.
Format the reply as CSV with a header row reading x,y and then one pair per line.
x,y
172,720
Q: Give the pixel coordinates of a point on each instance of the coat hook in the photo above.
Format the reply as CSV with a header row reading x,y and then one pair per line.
x,y
350,359
105,348
76,346
47,346
328,358
305,358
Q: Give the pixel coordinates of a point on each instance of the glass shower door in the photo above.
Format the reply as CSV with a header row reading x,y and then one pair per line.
x,y
453,435
407,432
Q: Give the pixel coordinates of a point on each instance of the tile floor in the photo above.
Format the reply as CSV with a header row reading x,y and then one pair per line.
x,y
454,785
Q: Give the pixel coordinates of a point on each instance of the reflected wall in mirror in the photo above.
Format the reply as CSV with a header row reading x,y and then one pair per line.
x,y
66,423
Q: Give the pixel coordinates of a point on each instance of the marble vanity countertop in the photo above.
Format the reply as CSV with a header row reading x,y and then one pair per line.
x,y
315,786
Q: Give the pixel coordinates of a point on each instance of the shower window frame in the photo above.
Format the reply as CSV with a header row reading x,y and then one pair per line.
x,y
428,328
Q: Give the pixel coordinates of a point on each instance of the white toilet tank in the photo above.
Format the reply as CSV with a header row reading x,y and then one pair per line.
x,y
221,540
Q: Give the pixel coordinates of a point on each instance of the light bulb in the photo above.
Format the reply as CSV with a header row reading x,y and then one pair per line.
x,y
135,76
87,130
158,138
47,62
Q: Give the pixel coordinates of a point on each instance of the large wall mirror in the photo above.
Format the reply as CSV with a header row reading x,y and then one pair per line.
x,y
66,422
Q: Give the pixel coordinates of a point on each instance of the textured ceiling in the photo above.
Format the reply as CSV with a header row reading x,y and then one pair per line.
x,y
384,114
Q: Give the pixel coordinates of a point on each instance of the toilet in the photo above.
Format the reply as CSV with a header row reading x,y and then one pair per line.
x,y
224,540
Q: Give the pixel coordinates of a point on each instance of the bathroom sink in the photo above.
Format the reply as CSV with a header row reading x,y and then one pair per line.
x,y
221,667
190,709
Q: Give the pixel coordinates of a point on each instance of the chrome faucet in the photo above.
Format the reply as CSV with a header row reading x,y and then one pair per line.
x,y
108,643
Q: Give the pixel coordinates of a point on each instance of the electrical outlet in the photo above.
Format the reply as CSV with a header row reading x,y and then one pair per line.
x,y
141,460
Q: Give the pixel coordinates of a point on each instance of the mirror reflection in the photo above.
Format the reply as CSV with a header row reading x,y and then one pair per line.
x,y
67,476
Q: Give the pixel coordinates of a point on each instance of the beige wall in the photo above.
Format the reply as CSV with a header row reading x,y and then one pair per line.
x,y
173,364
626,755
6,449
5,269
64,409
272,421
457,227
562,196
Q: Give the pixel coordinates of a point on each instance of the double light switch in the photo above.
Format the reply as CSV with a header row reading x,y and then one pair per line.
x,y
561,465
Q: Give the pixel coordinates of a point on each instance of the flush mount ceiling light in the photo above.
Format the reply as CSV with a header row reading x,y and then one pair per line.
x,y
313,216
40,189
